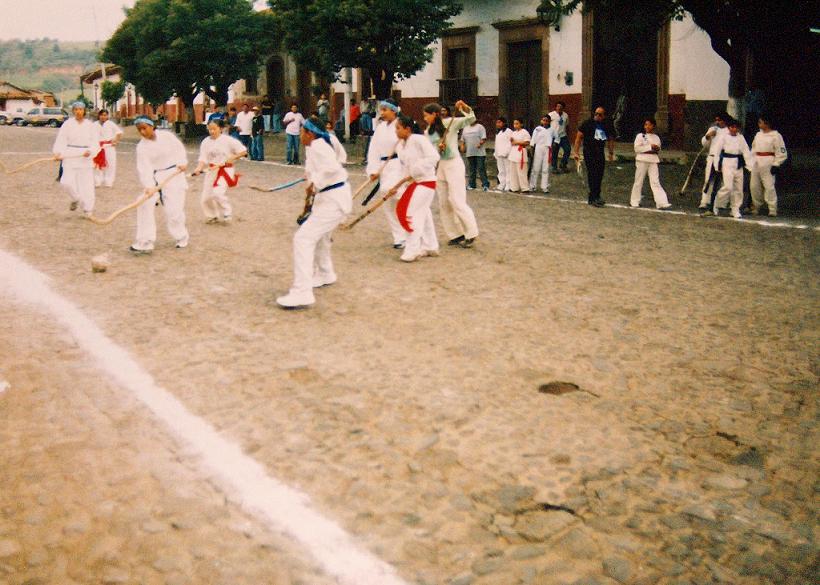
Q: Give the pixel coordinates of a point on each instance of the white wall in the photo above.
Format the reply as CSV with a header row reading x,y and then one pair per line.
x,y
19,106
565,55
694,67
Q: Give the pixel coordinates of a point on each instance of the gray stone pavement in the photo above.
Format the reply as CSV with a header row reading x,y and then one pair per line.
x,y
417,404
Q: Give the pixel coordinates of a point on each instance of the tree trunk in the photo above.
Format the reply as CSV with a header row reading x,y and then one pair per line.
x,y
382,83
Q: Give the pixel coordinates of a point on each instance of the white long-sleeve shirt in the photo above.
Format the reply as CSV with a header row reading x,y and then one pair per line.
x,y
383,144
216,152
517,152
75,138
771,141
323,169
157,157
418,158
711,143
559,123
502,143
643,147
109,131
293,122
733,145
542,136
452,126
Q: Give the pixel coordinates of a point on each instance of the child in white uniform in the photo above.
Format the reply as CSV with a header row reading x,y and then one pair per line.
x,y
382,153
731,149
76,145
418,159
327,178
160,154
217,152
502,152
647,146
709,141
543,138
768,154
517,163
106,161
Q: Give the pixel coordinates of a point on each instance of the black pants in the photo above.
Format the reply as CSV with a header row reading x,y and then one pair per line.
x,y
595,174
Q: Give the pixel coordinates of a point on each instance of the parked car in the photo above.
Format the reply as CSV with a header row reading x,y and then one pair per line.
x,y
6,117
53,117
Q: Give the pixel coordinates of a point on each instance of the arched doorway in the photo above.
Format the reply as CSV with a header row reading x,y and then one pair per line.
x,y
275,73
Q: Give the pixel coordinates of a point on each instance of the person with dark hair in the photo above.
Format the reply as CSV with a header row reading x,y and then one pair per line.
x,y
517,164
451,184
768,155
76,145
711,178
559,122
417,159
267,112
542,141
257,149
106,160
355,114
332,201
383,164
244,124
597,135
231,123
733,154
475,137
293,121
647,146
216,153
502,149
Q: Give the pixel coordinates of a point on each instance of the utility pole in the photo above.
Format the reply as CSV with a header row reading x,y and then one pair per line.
x,y
348,98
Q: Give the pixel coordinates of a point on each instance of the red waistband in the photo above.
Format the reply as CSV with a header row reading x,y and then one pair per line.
x,y
404,202
764,153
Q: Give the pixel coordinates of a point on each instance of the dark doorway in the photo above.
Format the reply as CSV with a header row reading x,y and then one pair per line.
x,y
304,90
458,63
524,91
276,79
625,63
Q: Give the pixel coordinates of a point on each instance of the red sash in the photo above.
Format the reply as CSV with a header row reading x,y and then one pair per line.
x,y
223,174
549,155
521,150
404,202
100,161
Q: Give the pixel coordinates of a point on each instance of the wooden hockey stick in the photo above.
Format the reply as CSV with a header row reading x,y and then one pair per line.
x,y
139,201
691,169
372,208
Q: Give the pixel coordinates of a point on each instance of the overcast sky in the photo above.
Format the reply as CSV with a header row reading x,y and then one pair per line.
x,y
67,20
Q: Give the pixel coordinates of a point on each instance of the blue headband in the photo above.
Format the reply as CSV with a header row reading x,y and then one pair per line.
x,y
144,120
320,132
389,106
78,104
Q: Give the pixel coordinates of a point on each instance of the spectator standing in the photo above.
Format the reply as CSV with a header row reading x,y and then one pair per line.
x,y
244,124
768,153
323,109
355,114
267,113
293,121
475,137
258,130
232,123
542,141
596,134
517,163
559,122
502,151
647,146
276,122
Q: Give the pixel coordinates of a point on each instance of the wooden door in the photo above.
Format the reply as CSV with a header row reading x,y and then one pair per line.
x,y
524,91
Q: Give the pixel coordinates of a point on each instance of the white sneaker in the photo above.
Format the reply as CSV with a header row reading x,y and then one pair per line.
x,y
183,243
293,300
736,214
430,253
320,281
141,248
413,258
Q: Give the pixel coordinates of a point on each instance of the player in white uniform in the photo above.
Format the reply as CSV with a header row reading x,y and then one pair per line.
x,y
76,145
502,152
647,146
517,162
160,154
711,176
217,153
382,155
733,154
543,138
327,180
768,154
418,158
105,162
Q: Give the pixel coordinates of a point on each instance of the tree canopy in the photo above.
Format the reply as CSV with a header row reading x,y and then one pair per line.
x,y
181,47
390,39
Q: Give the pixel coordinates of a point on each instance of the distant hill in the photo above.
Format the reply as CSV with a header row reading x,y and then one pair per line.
x,y
46,64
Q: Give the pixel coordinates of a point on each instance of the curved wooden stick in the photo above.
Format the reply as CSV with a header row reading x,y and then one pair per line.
x,y
28,164
692,168
372,208
369,180
139,201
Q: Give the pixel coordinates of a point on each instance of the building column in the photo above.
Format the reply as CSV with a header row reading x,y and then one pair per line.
x,y
664,42
587,61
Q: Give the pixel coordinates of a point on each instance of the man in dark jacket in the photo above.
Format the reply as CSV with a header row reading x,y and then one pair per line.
x,y
597,134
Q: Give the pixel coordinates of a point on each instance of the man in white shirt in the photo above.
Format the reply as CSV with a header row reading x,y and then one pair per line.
x,y
542,140
105,162
712,178
293,121
502,151
244,122
559,122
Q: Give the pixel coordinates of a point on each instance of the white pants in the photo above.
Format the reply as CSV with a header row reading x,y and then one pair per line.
x,y
106,176
388,180
501,163
173,195
214,200
518,176
642,168
311,243
706,197
79,184
540,166
423,237
451,186
732,187
762,184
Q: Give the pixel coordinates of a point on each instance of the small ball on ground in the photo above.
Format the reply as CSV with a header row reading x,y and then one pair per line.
x,y
100,263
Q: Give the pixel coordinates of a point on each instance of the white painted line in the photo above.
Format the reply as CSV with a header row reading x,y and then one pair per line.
x,y
281,507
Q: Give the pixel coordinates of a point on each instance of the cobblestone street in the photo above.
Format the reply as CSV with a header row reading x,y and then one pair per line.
x,y
587,397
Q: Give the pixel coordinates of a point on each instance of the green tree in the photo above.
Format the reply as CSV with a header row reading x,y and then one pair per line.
x,y
111,92
390,39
